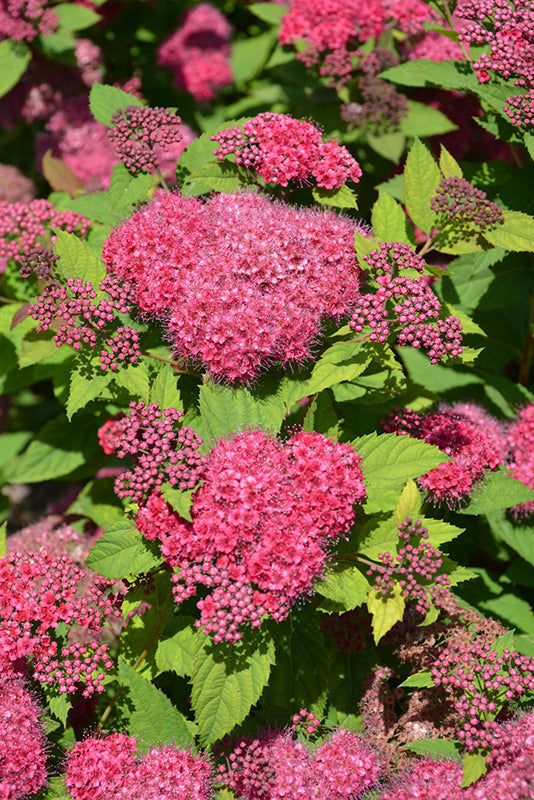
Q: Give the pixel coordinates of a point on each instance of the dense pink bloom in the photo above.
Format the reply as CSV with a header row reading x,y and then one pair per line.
x,y
198,52
511,772
14,186
100,769
474,448
243,281
428,779
520,440
345,767
264,521
283,149
22,741
23,20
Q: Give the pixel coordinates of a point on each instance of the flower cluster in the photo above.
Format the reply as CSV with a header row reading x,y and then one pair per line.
x,y
263,523
482,682
37,592
22,741
414,568
39,261
83,322
428,779
136,132
23,20
473,446
405,305
98,769
305,722
283,149
275,766
242,281
520,441
26,226
198,52
162,451
458,204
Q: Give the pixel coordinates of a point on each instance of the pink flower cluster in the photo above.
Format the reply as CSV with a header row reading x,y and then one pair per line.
x,y
25,226
23,20
520,442
283,149
482,682
404,305
274,766
23,744
198,52
138,131
162,450
414,568
37,592
242,281
474,443
263,523
110,767
79,321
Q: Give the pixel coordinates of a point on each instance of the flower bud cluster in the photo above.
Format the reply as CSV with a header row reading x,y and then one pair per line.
x,y
414,568
405,305
79,321
40,260
263,524
137,131
274,766
23,744
162,450
473,443
459,204
23,20
111,767
305,722
37,593
482,681
282,149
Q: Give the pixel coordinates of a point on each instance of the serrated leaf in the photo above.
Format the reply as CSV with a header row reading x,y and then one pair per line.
x,y
164,390
445,74
122,552
346,585
468,325
363,245
268,12
389,220
338,198
227,680
85,385
386,611
36,347
155,721
499,491
420,680
77,260
343,361
448,165
96,206
138,636
439,749
474,767
409,504
126,189
134,378
177,652
515,233
519,535
56,789
14,59
104,100
421,181
224,409
60,706
218,176
180,500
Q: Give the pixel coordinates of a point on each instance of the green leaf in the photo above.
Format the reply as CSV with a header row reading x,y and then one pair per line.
x,y
421,181
227,679
155,720
409,504
97,501
56,789
138,636
424,120
250,55
499,491
164,390
224,409
96,206
57,449
3,546
200,151
14,59
420,680
59,706
321,417
424,72
338,198
177,652
363,245
36,347
389,220
517,535
86,384
515,233
77,260
439,749
126,189
218,176
345,585
134,378
268,12
122,552
180,500
343,361
76,18
448,165
104,100
386,611
474,768
388,145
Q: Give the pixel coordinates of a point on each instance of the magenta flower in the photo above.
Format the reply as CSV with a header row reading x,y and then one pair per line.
x,y
520,440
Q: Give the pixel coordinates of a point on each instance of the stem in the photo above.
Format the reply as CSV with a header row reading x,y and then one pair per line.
x,y
152,640
176,364
448,16
8,300
354,557
515,153
162,180
528,350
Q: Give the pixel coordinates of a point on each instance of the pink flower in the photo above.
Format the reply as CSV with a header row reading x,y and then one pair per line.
x,y
520,441
428,780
